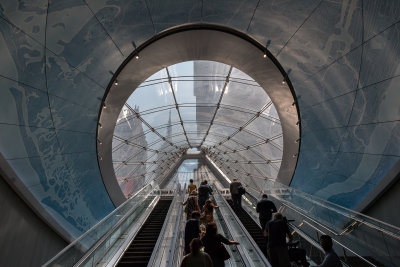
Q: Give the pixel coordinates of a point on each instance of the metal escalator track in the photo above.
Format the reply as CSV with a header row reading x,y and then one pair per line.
x,y
252,228
140,250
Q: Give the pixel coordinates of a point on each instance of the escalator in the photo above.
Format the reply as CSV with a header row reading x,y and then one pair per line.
x,y
141,248
252,228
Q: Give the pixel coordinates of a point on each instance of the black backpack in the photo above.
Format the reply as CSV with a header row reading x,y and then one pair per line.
x,y
203,190
241,190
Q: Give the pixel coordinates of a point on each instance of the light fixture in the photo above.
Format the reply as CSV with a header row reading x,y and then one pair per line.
x,y
100,126
265,55
284,81
104,105
137,56
116,82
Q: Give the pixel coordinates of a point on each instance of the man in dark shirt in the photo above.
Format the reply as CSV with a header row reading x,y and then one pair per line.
x,y
277,231
331,258
236,197
265,208
192,230
204,193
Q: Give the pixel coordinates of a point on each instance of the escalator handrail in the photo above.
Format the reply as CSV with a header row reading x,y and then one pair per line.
x,y
176,229
125,246
350,214
104,237
312,241
394,231
256,248
163,228
75,242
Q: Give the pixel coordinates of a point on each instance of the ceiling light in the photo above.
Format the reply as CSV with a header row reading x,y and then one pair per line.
x,y
116,82
137,56
265,55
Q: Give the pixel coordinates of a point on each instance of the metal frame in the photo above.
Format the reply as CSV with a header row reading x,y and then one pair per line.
x,y
199,42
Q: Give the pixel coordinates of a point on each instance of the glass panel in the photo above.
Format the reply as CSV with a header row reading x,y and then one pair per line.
x,y
246,138
268,151
265,127
231,117
161,118
244,95
197,86
151,96
128,214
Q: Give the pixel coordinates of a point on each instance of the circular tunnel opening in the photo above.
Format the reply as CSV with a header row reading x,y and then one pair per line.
x,y
203,105
257,120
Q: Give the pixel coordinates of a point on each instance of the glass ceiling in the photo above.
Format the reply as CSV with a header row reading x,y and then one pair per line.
x,y
197,104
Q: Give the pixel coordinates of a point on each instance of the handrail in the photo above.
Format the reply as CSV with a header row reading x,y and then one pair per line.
x,y
243,229
175,232
131,236
157,245
274,185
312,241
362,218
104,237
343,246
76,241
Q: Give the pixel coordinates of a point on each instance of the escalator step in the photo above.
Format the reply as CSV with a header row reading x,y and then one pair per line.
x,y
141,248
252,228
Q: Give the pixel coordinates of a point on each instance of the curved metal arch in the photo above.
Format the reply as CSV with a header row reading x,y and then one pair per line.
x,y
199,42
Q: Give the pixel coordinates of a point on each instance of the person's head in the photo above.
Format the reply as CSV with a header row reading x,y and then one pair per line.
x,y
326,242
202,183
211,229
264,196
195,245
278,216
191,181
205,182
235,179
208,203
195,215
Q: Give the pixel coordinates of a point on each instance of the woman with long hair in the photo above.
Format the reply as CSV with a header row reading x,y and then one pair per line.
x,y
212,242
208,210
191,204
196,257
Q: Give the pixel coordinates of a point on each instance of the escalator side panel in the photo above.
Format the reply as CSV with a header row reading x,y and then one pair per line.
x,y
140,250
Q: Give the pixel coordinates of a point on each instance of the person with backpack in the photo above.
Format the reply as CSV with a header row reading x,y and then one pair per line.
x,y
191,204
213,245
236,187
204,193
192,230
277,230
265,208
